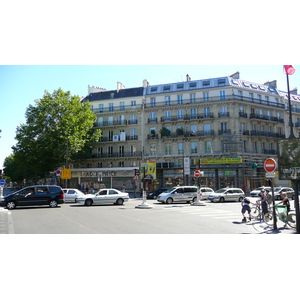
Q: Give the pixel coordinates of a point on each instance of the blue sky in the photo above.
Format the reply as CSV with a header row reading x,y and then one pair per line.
x,y
20,85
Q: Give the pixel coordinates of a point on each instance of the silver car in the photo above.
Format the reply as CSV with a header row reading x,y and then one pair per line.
x,y
72,194
104,196
179,194
290,193
230,194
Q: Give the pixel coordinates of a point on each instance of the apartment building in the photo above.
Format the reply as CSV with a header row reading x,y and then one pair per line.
x,y
225,126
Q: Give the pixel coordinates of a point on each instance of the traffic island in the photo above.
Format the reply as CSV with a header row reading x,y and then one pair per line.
x,y
144,204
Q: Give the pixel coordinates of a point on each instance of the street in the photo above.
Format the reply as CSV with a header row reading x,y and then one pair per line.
x,y
181,218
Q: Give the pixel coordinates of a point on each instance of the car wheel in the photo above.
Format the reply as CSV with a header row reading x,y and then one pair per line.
x,y
241,199
278,197
293,197
88,202
222,199
120,201
169,201
53,203
192,201
10,205
154,197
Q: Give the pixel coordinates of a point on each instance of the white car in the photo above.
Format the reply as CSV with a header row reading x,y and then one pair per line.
x,y
104,196
204,192
72,194
256,192
230,194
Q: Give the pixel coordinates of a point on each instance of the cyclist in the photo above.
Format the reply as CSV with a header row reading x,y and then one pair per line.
x,y
246,207
264,202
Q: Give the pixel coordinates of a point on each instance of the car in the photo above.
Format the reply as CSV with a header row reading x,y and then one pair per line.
x,y
51,195
72,194
179,194
204,192
256,192
104,196
153,194
287,190
227,194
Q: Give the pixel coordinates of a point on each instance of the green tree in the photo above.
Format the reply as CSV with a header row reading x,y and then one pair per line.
x,y
58,128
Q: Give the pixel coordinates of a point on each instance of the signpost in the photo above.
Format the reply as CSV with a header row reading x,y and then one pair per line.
x,y
270,166
197,173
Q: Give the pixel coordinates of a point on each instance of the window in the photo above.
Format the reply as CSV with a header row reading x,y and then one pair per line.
x,y
193,130
168,100
133,103
121,151
101,108
206,83
194,147
194,113
121,164
223,127
193,84
251,96
179,99
152,102
205,97
240,95
222,95
122,106
110,120
206,129
133,119
223,111
153,117
267,99
166,88
192,98
179,114
221,81
133,132
121,119
100,121
168,149
167,115
153,89
180,148
180,86
152,149
110,151
111,107
206,112
208,147
132,150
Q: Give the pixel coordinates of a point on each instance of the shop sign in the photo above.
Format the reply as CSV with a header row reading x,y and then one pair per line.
x,y
221,161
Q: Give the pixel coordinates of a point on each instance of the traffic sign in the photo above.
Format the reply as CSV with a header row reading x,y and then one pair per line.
x,y
197,173
270,165
2,182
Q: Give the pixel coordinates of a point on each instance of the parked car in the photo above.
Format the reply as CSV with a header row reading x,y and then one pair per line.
x,y
51,195
153,194
279,190
205,192
230,194
104,196
256,192
179,194
72,194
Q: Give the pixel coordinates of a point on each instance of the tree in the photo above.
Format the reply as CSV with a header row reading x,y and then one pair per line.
x,y
58,128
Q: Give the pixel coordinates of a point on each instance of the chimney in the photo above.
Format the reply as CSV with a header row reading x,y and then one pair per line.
x,y
294,91
120,86
271,83
235,75
145,83
188,78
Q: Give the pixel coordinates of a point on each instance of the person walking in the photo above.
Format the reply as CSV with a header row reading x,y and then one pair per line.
x,y
269,197
285,202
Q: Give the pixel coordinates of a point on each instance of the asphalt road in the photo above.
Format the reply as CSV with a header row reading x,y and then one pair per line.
x,y
181,218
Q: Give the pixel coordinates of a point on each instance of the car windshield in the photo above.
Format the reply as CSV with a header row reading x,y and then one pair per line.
x,y
169,190
221,191
277,189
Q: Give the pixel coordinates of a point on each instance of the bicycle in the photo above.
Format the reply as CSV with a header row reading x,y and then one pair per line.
x,y
256,212
283,215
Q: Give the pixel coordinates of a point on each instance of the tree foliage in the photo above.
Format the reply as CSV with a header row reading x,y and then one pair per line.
x,y
58,128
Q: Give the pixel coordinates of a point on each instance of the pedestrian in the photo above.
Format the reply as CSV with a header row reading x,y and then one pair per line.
x,y
123,188
269,197
264,202
285,202
246,208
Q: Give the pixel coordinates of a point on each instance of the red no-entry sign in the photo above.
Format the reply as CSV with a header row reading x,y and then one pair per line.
x,y
270,165
197,173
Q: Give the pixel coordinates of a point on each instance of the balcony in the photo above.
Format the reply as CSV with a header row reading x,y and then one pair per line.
x,y
266,117
119,154
267,134
116,123
187,117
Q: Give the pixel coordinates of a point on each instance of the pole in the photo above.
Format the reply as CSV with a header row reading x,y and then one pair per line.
x,y
297,210
292,136
273,202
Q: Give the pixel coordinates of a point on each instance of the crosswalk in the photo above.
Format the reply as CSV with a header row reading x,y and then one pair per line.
x,y
210,212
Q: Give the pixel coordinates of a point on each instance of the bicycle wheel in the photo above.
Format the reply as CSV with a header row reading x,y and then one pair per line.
x,y
291,220
268,218
254,211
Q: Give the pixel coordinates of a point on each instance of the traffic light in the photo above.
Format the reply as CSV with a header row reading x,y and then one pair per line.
x,y
254,166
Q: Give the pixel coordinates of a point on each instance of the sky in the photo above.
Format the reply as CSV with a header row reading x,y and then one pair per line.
x,y
21,85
